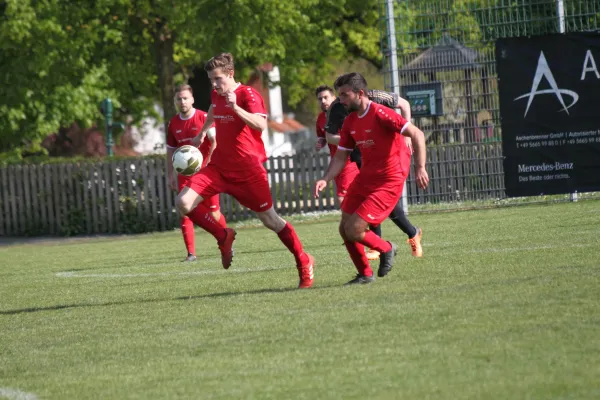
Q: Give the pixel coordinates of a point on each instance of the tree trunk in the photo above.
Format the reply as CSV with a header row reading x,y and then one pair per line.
x,y
164,43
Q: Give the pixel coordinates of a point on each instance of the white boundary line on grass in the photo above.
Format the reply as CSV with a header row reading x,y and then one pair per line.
x,y
14,394
527,248
71,274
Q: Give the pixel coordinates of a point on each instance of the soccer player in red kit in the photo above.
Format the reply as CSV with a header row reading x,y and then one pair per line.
x,y
377,131
236,166
183,127
325,97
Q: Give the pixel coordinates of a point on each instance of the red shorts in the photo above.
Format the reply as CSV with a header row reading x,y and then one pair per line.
x,y
373,203
211,203
250,187
345,178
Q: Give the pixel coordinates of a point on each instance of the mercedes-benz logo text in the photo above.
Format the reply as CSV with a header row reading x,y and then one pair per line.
x,y
543,70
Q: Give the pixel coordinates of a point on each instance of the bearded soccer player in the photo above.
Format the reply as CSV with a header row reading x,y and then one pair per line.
x,y
325,97
183,127
236,166
377,131
335,118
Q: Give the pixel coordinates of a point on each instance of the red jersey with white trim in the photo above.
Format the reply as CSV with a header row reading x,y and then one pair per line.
x,y
182,131
240,147
321,122
385,156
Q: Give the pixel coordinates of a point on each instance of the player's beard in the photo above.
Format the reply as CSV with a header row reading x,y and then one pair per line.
x,y
185,110
353,106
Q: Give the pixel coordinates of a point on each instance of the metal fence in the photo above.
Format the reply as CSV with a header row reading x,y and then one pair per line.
x,y
448,46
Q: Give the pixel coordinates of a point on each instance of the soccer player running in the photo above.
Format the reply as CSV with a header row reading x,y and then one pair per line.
x,y
236,165
377,131
335,118
325,96
183,127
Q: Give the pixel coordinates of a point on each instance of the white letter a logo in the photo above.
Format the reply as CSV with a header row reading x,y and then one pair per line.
x,y
543,70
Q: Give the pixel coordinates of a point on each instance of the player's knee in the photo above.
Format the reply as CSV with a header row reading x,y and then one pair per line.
x,y
272,220
353,232
354,235
183,207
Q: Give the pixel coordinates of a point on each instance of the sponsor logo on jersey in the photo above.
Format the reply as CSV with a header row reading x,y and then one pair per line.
x,y
365,143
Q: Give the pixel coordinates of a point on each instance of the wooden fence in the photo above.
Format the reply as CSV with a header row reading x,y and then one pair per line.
x,y
133,196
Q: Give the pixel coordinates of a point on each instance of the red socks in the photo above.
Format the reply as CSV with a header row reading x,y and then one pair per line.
x,y
187,229
359,258
373,241
289,238
201,217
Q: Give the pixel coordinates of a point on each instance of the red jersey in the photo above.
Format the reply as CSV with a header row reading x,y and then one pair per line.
x,y
240,147
385,156
321,122
182,131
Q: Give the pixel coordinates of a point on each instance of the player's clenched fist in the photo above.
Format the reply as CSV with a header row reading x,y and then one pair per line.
x,y
231,98
319,186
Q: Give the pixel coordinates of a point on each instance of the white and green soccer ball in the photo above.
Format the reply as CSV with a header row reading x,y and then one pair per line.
x,y
187,160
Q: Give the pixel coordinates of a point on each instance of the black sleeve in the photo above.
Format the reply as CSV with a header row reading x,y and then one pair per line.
x,y
335,118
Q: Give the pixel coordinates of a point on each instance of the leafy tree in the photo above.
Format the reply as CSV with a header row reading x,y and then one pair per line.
x,y
60,59
50,79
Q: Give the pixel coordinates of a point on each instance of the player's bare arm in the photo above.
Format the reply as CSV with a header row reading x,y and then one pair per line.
x,y
170,171
212,137
332,139
418,140
255,121
337,164
404,107
197,141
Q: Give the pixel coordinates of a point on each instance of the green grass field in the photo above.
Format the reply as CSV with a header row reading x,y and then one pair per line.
x,y
504,305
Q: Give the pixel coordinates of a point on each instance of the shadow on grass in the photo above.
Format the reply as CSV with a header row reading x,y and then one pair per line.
x,y
141,301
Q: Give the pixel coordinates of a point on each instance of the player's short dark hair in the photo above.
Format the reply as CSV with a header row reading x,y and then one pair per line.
x,y
223,61
356,81
182,87
323,88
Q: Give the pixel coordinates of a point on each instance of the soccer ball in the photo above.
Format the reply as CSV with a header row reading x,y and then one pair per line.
x,y
187,160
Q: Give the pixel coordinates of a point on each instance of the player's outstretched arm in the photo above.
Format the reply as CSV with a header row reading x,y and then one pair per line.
x,y
337,164
418,141
197,141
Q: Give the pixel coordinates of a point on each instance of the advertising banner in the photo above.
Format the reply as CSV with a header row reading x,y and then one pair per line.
x,y
549,90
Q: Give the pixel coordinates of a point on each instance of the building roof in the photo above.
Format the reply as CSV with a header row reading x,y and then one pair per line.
x,y
446,55
288,125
